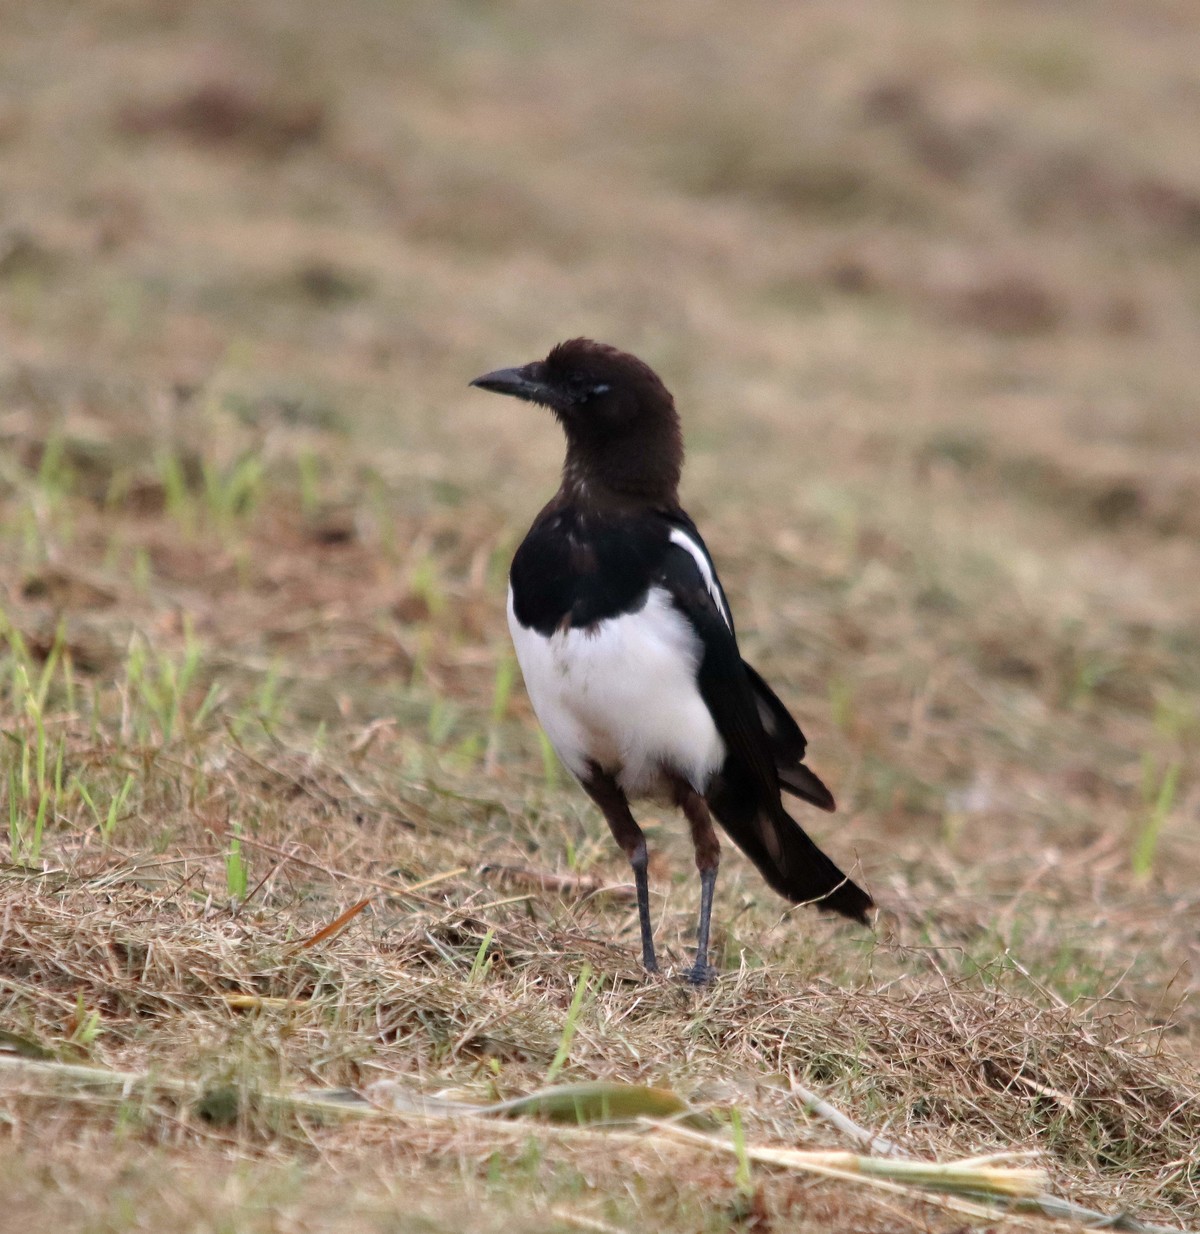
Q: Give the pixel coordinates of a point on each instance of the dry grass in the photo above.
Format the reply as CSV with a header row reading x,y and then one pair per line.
x,y
924,279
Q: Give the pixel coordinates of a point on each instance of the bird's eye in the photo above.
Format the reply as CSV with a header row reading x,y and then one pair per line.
x,y
602,388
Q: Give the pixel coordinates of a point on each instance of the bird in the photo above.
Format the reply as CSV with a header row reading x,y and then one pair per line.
x,y
627,645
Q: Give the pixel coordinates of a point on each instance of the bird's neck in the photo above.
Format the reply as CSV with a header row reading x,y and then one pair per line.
x,y
629,474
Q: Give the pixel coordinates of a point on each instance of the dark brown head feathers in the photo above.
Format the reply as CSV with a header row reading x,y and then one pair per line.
x,y
623,438
580,360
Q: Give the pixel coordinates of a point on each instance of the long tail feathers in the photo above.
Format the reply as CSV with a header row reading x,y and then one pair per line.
x,y
790,862
802,873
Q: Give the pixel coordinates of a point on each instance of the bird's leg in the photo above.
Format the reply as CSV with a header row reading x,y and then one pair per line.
x,y
609,796
708,859
639,860
701,973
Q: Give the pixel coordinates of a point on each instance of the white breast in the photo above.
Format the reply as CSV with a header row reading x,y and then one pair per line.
x,y
623,694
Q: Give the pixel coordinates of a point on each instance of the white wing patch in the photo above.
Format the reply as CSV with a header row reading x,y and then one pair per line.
x,y
623,694
684,541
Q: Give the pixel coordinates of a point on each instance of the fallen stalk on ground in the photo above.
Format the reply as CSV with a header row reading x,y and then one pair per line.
x,y
981,1187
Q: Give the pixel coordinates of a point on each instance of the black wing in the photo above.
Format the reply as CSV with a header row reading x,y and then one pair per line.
x,y
724,683
744,796
677,520
788,744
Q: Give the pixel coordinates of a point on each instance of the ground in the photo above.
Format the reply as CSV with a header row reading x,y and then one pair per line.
x,y
925,280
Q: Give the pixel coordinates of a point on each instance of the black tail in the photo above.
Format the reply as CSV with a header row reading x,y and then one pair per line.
x,y
790,862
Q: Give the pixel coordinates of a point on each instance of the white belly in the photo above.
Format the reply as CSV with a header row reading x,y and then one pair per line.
x,y
623,694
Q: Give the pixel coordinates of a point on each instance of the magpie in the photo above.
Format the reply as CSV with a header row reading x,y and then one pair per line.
x,y
628,648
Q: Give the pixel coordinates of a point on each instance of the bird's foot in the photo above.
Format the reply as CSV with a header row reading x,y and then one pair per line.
x,y
701,975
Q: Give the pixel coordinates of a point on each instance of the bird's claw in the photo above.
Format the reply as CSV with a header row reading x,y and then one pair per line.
x,y
701,975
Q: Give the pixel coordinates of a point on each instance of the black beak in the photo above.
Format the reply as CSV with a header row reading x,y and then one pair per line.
x,y
514,381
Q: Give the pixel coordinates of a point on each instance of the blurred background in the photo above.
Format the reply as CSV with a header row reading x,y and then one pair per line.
x,y
925,280
902,222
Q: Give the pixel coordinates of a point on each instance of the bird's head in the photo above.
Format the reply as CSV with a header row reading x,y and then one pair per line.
x,y
622,429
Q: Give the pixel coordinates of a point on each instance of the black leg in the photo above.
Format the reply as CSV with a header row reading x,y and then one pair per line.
x,y
639,861
608,795
708,859
700,973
